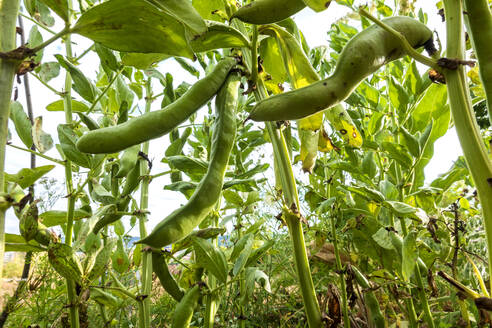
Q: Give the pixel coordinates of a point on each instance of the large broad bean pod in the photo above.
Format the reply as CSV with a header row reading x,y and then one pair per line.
x,y
365,53
157,123
183,220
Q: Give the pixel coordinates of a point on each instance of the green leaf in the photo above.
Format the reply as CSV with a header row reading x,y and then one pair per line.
x,y
411,142
370,94
254,275
434,131
49,70
218,36
383,238
243,257
369,165
120,259
430,105
367,193
107,58
82,85
54,217
187,188
211,258
240,245
58,106
409,255
60,7
400,208
68,140
206,233
398,153
445,180
22,123
210,9
27,177
317,5
184,12
100,194
397,95
35,39
413,81
134,26
14,247
233,198
259,252
142,61
192,167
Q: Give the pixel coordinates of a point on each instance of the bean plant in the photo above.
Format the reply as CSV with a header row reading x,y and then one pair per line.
x,y
300,170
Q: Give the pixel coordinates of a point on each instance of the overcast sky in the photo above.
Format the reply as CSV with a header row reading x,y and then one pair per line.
x,y
314,27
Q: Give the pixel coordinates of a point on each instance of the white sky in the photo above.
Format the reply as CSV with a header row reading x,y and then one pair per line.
x,y
161,202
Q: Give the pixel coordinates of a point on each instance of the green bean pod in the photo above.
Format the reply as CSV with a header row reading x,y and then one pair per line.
x,y
268,11
157,123
182,221
365,53
184,310
128,161
159,266
132,180
375,315
122,205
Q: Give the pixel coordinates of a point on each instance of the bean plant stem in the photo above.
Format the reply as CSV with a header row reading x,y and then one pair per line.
x,y
96,101
33,152
12,302
8,17
346,321
67,105
467,129
146,279
289,189
478,21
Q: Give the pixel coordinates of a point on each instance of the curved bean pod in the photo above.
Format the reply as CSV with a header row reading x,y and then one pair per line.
x,y
159,266
268,11
365,53
184,310
157,123
182,221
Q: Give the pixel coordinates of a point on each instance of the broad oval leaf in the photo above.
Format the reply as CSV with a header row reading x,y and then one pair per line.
x,y
317,5
134,26
211,258
60,7
184,12
27,177
58,106
22,123
409,255
68,139
218,36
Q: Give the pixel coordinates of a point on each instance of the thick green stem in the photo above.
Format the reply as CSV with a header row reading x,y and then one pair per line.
x,y
478,20
67,104
291,197
144,309
464,118
346,321
8,17
211,305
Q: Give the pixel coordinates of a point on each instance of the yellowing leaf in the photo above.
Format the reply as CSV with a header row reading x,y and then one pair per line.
x,y
324,142
341,121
